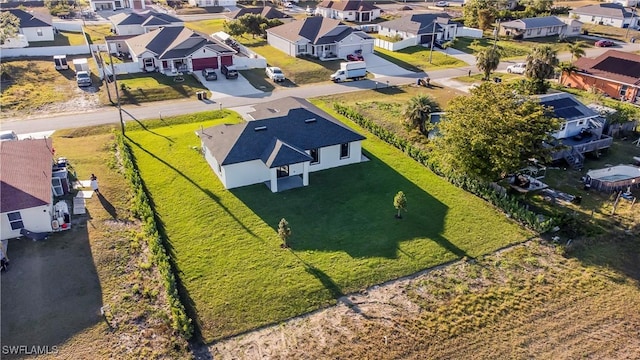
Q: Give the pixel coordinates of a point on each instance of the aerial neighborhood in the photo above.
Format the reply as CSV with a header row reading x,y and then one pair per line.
x,y
319,179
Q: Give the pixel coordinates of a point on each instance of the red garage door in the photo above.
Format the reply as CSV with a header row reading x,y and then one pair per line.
x,y
199,64
226,60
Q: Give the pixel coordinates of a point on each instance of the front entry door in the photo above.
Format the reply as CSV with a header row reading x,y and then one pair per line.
x,y
283,171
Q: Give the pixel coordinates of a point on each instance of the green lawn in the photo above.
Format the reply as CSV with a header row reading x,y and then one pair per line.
x,y
145,87
475,78
416,58
345,235
510,48
63,38
97,33
206,26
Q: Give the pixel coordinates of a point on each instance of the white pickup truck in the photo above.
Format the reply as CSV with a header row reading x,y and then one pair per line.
x,y
275,74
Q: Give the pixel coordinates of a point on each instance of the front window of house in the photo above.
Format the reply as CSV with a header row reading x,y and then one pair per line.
x,y
302,49
623,90
39,32
344,151
563,127
148,62
581,122
15,220
315,156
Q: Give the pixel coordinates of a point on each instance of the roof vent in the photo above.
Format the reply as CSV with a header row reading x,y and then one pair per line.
x,y
260,128
312,120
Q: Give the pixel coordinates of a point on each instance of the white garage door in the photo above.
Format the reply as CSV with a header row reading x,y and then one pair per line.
x,y
351,49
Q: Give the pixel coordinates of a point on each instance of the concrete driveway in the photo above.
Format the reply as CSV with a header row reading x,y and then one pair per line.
x,y
380,67
224,87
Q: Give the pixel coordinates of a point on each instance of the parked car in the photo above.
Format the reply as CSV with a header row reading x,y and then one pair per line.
x,y
442,4
209,74
229,72
288,5
355,57
83,78
274,73
7,135
604,43
518,68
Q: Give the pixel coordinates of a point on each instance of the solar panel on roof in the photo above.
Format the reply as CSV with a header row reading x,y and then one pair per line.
x,y
619,66
568,113
561,103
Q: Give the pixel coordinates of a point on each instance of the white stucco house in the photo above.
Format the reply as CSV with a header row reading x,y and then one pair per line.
x,y
348,10
606,14
26,196
99,5
541,27
625,3
142,22
324,38
289,139
421,27
34,26
209,3
176,49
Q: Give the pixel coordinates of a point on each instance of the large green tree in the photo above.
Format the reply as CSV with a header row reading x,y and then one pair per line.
x,y
541,65
476,8
492,133
487,60
417,111
253,24
9,26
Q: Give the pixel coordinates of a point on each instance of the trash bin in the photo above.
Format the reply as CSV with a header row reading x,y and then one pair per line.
x,y
497,79
204,95
199,95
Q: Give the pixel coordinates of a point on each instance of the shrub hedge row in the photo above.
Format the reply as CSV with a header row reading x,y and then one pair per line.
x,y
142,210
509,204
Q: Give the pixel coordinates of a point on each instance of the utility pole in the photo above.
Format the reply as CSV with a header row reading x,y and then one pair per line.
x,y
633,15
433,37
115,82
495,34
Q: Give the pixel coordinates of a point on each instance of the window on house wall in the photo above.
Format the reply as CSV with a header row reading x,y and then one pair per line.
x,y
148,62
581,122
623,90
315,156
539,31
344,151
15,220
39,32
302,49
563,127
529,32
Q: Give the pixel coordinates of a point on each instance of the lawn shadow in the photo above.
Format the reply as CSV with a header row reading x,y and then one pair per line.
x,y
51,291
108,207
388,89
145,128
351,209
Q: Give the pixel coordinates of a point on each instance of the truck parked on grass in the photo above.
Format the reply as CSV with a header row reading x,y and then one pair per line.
x,y
80,65
60,62
355,70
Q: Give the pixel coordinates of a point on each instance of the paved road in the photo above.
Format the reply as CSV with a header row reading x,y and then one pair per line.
x,y
144,111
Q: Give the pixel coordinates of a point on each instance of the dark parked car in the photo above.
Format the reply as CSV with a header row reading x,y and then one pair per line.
x,y
604,43
229,72
209,74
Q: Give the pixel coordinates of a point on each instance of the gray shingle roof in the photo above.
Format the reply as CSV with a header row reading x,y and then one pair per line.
x,y
534,23
615,11
30,19
25,179
146,18
268,12
175,42
318,30
348,5
418,23
279,139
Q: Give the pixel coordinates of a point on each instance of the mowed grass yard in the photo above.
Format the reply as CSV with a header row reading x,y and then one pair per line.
x,y
345,236
416,58
511,49
138,88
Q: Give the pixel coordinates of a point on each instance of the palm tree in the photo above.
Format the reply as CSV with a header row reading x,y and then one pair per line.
x,y
542,62
576,49
487,60
418,110
566,70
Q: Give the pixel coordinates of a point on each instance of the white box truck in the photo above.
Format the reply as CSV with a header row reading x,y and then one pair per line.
x,y
355,70
60,62
80,65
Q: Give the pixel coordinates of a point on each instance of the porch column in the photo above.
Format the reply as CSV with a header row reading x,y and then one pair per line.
x,y
274,179
305,173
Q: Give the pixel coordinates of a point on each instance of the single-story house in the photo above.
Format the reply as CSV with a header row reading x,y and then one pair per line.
x,y
33,25
605,14
540,27
615,73
142,22
288,139
267,12
210,3
98,5
178,49
422,27
348,10
26,196
320,37
581,130
625,3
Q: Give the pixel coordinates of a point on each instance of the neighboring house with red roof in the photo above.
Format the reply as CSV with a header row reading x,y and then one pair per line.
x,y
286,140
616,73
177,49
348,10
324,38
26,196
142,22
605,14
33,25
267,12
99,5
